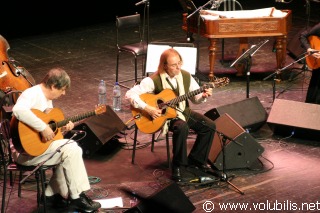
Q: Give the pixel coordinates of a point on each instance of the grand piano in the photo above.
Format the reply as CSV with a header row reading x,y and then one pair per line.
x,y
241,24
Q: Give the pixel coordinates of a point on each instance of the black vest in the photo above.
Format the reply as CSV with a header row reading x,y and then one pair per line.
x,y
186,77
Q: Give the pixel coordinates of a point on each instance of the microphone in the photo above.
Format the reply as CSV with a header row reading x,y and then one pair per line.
x,y
141,2
131,127
77,131
215,5
20,71
314,51
137,116
204,179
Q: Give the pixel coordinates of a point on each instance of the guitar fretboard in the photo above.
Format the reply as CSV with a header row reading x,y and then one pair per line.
x,y
73,119
177,100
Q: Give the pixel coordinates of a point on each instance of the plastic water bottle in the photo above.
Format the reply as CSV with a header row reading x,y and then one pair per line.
x,y
116,97
102,93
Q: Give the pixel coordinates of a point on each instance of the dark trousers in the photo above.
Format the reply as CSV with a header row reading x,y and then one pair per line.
x,y
313,93
203,127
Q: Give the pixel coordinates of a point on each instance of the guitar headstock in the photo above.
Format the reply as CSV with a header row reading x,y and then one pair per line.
x,y
100,109
219,82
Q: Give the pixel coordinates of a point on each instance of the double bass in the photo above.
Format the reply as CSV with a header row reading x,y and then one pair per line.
x,y
12,76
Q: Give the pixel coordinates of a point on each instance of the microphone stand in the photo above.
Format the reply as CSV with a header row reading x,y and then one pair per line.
x,y
22,73
198,28
223,177
43,162
279,71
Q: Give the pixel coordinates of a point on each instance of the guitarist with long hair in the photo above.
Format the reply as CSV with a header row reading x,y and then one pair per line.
x,y
310,40
69,180
170,76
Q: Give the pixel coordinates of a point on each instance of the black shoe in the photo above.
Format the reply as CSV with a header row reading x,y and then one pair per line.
x,y
176,173
55,201
203,167
85,204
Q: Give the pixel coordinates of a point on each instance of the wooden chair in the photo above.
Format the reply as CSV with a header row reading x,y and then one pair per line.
x,y
129,38
10,167
153,140
7,100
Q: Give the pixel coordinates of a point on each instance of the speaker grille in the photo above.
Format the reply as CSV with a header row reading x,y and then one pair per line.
x,y
240,148
249,113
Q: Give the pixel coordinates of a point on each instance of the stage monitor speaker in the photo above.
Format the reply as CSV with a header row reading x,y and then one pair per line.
x,y
249,113
295,48
294,118
169,199
241,150
99,130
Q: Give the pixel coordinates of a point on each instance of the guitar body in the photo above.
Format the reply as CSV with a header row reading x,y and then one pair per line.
x,y
312,62
167,101
24,138
145,122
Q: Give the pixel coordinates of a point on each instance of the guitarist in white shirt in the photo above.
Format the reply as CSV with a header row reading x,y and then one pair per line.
x,y
69,181
170,76
313,61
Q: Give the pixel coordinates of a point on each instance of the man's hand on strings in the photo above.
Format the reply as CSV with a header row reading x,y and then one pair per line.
x,y
315,53
47,134
69,126
152,111
207,92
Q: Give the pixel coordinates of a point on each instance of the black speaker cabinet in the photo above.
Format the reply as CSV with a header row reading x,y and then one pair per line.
x,y
295,118
249,113
294,47
99,129
169,199
240,148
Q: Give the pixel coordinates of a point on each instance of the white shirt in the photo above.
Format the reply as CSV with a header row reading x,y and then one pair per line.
x,y
32,98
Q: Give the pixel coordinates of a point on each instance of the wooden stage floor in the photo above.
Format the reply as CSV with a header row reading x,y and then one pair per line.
x,y
284,178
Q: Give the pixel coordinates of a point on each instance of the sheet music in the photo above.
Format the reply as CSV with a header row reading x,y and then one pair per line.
x,y
188,54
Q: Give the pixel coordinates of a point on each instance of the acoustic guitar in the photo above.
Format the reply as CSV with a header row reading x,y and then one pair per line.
x,y
167,101
26,139
312,62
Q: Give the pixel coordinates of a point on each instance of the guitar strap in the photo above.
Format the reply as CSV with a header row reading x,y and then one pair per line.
x,y
175,89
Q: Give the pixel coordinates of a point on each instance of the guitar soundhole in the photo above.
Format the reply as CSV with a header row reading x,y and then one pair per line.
x,y
161,105
53,126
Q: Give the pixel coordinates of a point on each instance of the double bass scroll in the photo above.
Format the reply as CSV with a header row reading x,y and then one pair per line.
x,y
12,76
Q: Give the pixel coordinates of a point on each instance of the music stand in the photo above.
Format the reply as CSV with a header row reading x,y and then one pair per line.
x,y
279,71
246,57
198,26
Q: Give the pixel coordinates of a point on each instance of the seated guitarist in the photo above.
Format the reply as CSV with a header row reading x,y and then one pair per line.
x,y
69,180
313,93
170,76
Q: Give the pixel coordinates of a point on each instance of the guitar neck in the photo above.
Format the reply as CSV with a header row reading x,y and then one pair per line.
x,y
73,119
184,97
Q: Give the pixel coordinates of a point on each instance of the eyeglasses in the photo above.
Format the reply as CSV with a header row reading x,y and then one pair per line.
x,y
175,65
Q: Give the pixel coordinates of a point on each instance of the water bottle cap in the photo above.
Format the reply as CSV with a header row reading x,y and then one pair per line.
x,y
116,83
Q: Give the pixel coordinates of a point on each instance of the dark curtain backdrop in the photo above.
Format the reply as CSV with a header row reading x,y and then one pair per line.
x,y
21,18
